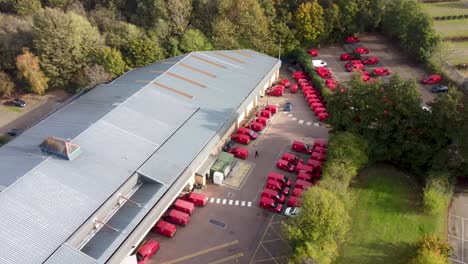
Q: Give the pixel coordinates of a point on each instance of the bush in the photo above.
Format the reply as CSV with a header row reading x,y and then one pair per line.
x,y
428,257
111,60
7,86
432,250
437,193
3,140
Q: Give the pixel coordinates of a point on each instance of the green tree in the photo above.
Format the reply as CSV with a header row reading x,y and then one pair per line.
x,y
193,40
149,12
112,61
224,34
29,70
64,43
142,51
57,3
15,33
310,22
288,38
428,257
437,192
320,227
26,7
348,15
7,86
179,12
333,30
423,38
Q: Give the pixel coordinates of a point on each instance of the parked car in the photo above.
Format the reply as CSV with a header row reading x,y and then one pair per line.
x,y
346,57
240,153
265,113
350,66
381,71
314,163
275,185
17,102
331,83
351,39
239,138
313,52
301,147
198,199
301,166
320,143
14,132
270,204
322,116
273,194
325,74
293,88
147,251
284,180
431,79
440,89
293,159
184,206
318,156
275,92
164,228
255,126
300,184
319,63
320,150
177,217
297,192
262,120
285,165
248,132
292,211
273,108
370,60
288,107
285,82
319,110
294,201
362,50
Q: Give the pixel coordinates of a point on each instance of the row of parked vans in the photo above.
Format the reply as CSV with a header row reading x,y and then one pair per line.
x,y
257,123
312,95
278,89
278,186
178,214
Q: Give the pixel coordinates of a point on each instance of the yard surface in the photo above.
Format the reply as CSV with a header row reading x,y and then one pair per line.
x,y
386,218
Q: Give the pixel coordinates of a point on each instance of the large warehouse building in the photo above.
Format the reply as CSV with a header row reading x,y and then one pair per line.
x,y
124,152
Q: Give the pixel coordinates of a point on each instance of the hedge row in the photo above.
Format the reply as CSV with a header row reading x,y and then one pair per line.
x,y
450,17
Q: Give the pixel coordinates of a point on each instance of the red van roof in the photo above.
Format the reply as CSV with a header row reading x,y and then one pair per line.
x,y
275,174
185,205
178,214
149,247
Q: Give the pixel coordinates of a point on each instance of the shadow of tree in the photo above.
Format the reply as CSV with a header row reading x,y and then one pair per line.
x,y
381,252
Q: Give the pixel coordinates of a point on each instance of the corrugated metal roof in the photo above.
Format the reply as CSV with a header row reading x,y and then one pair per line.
x,y
139,122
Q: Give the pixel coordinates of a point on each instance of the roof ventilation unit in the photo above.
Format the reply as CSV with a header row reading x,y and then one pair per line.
x,y
60,147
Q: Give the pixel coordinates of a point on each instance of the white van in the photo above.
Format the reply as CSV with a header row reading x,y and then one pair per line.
x,y
319,63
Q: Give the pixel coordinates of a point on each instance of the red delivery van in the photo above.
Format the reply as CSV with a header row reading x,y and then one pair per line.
x,y
294,202
280,178
256,126
147,251
184,206
164,228
319,110
304,175
303,184
246,131
277,186
177,217
265,113
320,143
314,163
292,158
297,192
272,108
197,199
301,147
318,156
270,204
275,195
285,165
321,150
262,120
239,138
240,153
301,166
293,88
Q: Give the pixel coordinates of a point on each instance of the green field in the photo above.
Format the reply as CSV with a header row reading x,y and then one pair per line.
x,y
446,9
386,218
460,53
452,28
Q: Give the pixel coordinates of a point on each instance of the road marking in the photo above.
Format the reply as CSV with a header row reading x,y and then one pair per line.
x,y
224,201
290,115
316,124
230,202
301,121
237,202
199,253
249,204
294,119
238,255
212,199
218,200
263,236
243,203
309,123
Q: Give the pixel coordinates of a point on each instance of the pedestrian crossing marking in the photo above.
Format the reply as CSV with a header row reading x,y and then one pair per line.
x,y
224,201
249,204
301,121
290,115
218,200
243,203
294,119
316,124
237,202
309,123
230,202
212,199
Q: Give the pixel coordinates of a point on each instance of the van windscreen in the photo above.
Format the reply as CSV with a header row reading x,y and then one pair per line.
x,y
285,179
279,195
251,132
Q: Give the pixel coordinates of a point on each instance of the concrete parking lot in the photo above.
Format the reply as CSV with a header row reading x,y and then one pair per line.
x,y
389,57
232,228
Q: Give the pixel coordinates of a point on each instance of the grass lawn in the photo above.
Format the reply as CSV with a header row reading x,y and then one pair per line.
x,y
460,52
445,9
451,28
14,109
386,218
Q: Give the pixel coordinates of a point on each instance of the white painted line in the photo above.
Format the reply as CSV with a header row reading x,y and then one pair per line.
x,y
224,201
249,204
457,261
230,202
290,115
237,202
294,119
218,200
316,124
243,203
309,123
212,199
301,121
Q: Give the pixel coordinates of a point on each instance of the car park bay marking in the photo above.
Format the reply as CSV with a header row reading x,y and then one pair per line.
x,y
301,121
309,123
238,255
294,118
199,253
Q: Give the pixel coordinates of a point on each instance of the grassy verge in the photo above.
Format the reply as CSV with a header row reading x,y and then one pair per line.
x,y
387,218
445,9
3,140
14,109
452,28
460,52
